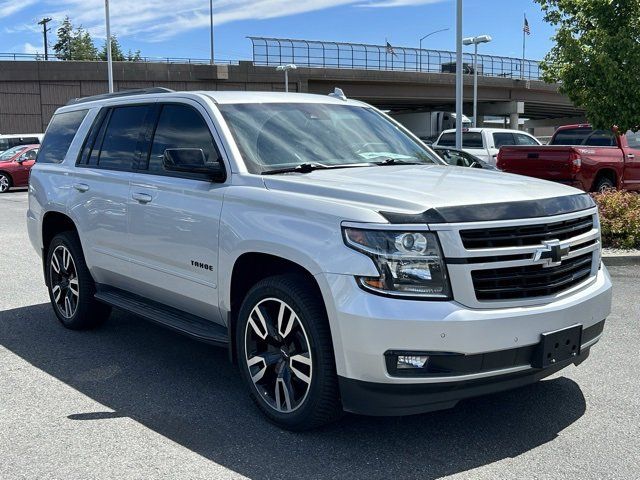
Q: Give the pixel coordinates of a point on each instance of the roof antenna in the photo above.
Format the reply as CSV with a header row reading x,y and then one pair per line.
x,y
339,94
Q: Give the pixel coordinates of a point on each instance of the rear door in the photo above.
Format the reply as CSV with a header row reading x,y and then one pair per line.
x,y
100,193
631,147
472,142
174,217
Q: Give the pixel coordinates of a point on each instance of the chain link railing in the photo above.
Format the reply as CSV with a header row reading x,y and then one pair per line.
x,y
359,56
40,58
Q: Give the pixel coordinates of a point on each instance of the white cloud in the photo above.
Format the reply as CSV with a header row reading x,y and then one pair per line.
x,y
9,7
158,20
31,49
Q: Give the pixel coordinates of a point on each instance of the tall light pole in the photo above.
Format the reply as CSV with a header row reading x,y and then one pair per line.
x,y
44,22
475,41
211,28
285,69
459,68
428,35
109,60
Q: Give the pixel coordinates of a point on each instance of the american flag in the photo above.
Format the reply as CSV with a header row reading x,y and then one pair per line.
x,y
526,28
390,49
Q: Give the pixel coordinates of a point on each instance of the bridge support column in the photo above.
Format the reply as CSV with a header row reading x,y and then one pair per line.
x,y
514,118
480,121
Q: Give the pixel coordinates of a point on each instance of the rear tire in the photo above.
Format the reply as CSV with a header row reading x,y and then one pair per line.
x,y
71,287
5,183
285,353
603,184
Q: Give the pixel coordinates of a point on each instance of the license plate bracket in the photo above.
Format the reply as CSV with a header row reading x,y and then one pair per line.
x,y
558,346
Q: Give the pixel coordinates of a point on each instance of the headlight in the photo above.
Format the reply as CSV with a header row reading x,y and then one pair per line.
x,y
410,263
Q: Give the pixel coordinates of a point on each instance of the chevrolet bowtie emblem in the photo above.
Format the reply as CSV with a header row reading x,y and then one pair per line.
x,y
552,252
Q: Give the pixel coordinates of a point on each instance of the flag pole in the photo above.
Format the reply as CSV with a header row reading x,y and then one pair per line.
x,y
524,45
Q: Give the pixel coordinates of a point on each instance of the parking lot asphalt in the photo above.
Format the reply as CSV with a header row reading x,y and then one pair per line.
x,y
133,400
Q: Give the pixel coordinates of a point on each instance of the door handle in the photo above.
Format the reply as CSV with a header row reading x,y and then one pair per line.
x,y
631,156
81,187
142,197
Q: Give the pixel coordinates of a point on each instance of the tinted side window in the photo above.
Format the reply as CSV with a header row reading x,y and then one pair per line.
x,y
59,135
121,136
447,140
472,140
573,136
522,139
633,139
180,126
601,138
501,139
31,154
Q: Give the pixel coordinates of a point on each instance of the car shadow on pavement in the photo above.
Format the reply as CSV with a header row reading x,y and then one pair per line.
x,y
188,392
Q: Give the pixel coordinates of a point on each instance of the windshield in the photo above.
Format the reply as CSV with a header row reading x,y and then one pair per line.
x,y
7,154
273,136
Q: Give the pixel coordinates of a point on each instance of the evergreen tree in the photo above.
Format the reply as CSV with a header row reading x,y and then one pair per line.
x,y
116,50
62,47
82,47
134,56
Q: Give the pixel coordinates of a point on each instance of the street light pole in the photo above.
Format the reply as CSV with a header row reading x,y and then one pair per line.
x,y
475,41
428,35
211,28
44,22
109,60
459,74
285,69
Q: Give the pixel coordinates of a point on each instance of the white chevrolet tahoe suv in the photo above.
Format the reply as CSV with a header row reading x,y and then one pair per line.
x,y
343,265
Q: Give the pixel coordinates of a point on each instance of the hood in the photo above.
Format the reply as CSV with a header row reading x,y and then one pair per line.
x,y
416,188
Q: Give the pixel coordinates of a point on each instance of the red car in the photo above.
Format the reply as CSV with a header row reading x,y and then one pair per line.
x,y
577,155
15,165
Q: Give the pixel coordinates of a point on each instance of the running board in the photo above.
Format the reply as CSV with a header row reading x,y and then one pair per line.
x,y
196,327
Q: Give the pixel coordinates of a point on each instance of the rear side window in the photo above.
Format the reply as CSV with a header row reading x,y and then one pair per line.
x,y
124,129
180,126
601,138
62,129
469,140
522,139
571,136
503,138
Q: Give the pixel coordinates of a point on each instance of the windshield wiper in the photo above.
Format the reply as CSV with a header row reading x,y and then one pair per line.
x,y
310,167
395,161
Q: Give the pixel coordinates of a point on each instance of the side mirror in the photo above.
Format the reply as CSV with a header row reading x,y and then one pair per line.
x,y
22,158
191,160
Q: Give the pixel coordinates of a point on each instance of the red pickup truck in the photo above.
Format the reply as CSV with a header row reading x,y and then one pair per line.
x,y
577,155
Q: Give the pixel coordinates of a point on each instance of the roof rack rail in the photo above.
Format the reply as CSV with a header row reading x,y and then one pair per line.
x,y
122,93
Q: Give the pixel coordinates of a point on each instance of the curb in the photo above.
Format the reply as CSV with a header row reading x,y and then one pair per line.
x,y
621,260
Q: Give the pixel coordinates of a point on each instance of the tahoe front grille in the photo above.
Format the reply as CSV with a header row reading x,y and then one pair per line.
x,y
531,281
524,235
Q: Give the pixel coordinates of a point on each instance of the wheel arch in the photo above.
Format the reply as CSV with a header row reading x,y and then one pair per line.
x,y
250,268
605,172
53,223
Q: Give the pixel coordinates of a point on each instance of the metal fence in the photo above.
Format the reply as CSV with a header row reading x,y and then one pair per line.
x,y
319,54
196,61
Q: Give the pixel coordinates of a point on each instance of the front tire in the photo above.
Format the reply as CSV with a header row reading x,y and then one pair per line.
x,y
5,183
71,287
285,353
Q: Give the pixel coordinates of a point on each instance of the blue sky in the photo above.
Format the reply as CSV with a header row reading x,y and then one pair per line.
x,y
179,28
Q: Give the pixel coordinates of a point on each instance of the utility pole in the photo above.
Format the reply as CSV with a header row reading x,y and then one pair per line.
x,y
459,68
44,22
109,60
211,28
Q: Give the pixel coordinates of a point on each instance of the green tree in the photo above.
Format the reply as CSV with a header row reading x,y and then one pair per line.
x,y
82,46
596,59
134,56
116,50
62,47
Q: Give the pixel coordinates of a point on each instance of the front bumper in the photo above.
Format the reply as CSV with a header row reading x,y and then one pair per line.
x,y
365,326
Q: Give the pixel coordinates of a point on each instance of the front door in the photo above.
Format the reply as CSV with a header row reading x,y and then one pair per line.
x,y
173,217
631,175
21,173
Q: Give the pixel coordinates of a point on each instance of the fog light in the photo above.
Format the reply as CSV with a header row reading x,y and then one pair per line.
x,y
412,361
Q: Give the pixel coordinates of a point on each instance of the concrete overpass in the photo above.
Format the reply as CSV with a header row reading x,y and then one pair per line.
x,y
30,91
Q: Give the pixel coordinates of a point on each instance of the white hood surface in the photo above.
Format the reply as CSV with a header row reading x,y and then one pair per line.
x,y
416,188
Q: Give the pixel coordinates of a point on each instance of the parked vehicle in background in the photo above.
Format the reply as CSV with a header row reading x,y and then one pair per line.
x,y
577,155
426,125
15,165
460,158
340,261
485,143
10,141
